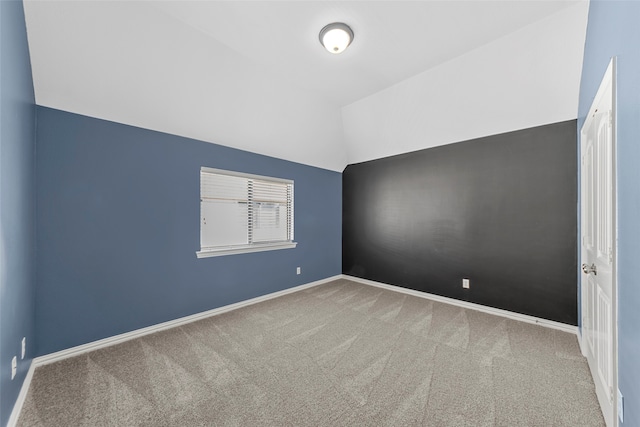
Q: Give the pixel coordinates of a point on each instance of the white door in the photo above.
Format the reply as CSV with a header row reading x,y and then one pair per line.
x,y
598,254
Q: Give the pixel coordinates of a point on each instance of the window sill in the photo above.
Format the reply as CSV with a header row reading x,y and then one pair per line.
x,y
245,249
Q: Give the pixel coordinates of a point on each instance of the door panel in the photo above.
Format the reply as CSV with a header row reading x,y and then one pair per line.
x,y
598,246
604,341
588,326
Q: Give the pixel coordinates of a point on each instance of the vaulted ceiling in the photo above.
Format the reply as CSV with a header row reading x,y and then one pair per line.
x,y
252,74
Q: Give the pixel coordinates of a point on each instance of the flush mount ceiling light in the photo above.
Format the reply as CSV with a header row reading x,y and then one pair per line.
x,y
336,37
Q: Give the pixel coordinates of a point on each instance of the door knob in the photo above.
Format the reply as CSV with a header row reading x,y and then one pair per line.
x,y
589,269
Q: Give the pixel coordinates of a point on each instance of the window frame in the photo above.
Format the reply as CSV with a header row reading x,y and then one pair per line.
x,y
213,251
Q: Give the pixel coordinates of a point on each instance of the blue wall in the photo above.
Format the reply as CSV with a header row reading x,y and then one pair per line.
x,y
118,227
614,30
17,202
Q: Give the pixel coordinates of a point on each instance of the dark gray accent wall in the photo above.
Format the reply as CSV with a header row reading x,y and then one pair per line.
x,y
499,210
17,203
119,226
613,30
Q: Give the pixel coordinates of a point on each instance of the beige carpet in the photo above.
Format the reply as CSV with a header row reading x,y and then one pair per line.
x,y
342,354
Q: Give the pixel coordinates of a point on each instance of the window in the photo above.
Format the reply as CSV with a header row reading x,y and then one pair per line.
x,y
244,213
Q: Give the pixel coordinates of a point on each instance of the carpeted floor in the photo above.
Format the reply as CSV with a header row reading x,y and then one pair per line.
x,y
342,354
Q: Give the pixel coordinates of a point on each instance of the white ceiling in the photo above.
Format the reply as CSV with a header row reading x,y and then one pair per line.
x,y
252,74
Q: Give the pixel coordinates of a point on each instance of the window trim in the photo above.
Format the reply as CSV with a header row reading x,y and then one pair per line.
x,y
254,247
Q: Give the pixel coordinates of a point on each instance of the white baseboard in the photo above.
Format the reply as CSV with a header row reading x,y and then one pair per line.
x,y
116,339
17,407
490,310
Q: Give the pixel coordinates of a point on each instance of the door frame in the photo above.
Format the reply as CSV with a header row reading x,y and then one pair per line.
x,y
610,75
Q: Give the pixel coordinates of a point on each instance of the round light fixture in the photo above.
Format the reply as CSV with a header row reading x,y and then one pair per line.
x,y
336,37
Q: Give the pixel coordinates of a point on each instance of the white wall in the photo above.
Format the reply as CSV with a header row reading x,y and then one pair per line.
x,y
528,78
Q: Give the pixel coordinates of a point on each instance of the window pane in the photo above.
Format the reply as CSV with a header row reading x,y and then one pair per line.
x,y
273,192
269,222
223,187
224,223
269,216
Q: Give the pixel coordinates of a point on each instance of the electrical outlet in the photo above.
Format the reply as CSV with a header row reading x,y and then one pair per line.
x,y
465,283
620,406
14,367
298,270
24,347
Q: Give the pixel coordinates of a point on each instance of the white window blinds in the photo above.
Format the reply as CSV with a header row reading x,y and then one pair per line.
x,y
241,212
